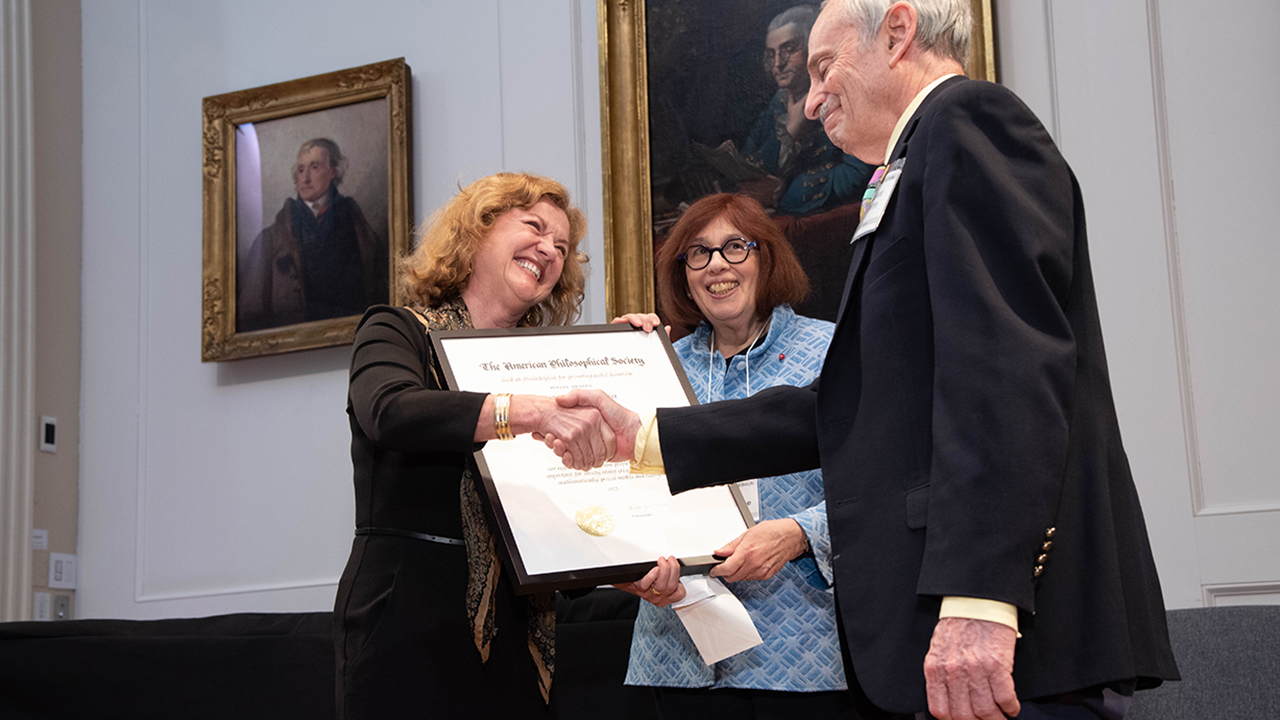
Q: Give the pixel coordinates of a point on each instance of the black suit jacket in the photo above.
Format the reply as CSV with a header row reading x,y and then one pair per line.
x,y
964,415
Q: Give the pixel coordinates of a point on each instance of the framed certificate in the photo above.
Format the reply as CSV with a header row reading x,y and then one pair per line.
x,y
564,528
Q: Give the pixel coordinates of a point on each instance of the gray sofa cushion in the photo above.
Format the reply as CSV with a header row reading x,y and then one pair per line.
x,y
1230,663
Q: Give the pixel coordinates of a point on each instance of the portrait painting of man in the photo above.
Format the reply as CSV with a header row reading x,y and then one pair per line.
x,y
311,244
726,114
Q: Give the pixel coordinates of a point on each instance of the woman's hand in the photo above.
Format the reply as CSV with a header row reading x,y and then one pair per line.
x,y
644,321
760,552
579,435
660,586
624,423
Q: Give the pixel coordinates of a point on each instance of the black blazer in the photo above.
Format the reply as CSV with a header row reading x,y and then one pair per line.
x,y
964,415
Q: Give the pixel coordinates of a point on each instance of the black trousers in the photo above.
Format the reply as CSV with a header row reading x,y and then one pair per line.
x,y
1104,702
738,704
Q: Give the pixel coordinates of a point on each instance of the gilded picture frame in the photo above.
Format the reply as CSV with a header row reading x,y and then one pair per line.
x,y
332,152
625,69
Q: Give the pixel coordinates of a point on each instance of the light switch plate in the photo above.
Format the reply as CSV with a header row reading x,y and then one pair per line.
x,y
61,607
48,433
41,609
62,571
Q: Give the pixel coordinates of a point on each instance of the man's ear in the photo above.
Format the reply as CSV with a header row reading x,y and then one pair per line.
x,y
898,30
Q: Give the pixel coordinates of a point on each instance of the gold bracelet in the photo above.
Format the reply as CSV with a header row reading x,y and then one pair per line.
x,y
502,416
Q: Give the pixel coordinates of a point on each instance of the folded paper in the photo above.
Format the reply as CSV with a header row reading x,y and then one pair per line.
x,y
716,619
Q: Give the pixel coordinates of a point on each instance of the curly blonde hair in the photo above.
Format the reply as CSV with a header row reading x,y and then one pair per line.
x,y
440,266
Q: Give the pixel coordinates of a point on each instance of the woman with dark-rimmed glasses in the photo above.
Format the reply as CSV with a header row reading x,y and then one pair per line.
x,y
728,276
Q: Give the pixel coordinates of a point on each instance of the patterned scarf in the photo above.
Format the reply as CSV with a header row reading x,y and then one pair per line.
x,y
482,556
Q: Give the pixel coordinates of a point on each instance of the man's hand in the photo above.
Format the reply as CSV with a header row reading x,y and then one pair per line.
x,y
969,670
760,552
624,423
579,435
796,121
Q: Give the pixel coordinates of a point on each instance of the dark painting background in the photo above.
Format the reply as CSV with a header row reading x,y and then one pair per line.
x,y
707,83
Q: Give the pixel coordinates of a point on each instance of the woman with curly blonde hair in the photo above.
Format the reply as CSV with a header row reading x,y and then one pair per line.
x,y
442,263
422,599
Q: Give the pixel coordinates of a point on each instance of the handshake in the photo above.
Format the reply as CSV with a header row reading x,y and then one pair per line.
x,y
590,428
584,428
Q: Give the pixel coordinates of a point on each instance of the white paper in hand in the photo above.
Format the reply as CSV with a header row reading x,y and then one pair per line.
x,y
715,619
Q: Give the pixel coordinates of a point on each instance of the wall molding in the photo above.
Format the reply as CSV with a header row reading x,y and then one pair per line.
x,y
244,589
17,311
580,181
144,280
1055,117
1214,593
1236,509
1177,305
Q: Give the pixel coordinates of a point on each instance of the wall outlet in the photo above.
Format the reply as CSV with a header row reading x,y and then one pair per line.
x,y
42,607
62,571
61,607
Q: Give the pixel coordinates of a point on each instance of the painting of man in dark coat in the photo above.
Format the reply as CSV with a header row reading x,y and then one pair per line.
x,y
726,114
319,259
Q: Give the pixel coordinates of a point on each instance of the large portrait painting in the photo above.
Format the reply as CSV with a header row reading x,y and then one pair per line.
x,y
697,99
306,208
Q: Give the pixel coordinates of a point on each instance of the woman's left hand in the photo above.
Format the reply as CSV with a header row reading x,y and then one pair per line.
x,y
759,553
660,586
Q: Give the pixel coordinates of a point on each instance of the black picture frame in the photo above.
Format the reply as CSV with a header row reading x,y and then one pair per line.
x,y
511,550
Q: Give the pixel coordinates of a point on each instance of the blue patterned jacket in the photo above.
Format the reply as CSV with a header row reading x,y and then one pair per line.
x,y
794,610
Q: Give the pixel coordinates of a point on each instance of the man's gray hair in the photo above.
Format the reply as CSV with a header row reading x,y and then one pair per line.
x,y
943,27
337,160
802,16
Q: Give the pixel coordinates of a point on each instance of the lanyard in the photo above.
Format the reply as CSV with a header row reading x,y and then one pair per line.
x,y
711,357
749,488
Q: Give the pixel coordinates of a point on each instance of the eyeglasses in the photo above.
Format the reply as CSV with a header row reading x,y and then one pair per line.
x,y
782,54
733,252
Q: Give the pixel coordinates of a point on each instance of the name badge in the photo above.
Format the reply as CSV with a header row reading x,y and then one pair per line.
x,y
884,191
750,490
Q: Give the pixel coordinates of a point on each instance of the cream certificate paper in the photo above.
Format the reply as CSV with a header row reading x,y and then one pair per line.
x,y
587,523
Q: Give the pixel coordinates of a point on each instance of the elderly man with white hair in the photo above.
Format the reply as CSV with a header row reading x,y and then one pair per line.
x,y
989,550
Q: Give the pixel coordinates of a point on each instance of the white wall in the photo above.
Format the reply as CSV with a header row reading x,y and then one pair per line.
x,y
55,35
1165,110
213,488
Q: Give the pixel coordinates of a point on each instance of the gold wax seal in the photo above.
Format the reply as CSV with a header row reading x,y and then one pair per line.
x,y
594,520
